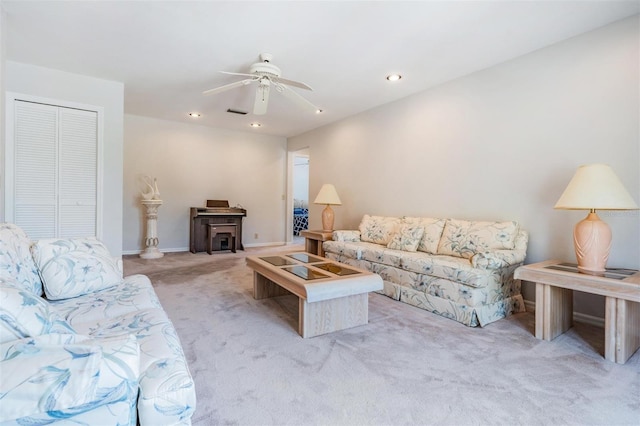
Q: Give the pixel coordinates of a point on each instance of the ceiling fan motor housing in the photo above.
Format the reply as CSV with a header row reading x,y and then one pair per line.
x,y
265,68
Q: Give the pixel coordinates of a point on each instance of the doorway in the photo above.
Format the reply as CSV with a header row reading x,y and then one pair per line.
x,y
298,196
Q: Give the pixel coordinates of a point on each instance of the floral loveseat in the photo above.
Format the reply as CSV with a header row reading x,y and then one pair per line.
x,y
95,349
458,269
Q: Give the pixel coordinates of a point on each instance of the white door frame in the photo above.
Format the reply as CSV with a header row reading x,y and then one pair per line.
x,y
290,179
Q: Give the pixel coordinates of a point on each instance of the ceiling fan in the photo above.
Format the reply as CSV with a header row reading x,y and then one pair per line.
x,y
267,76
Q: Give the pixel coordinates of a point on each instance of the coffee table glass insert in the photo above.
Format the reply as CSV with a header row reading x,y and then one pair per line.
x,y
305,258
305,273
336,269
278,260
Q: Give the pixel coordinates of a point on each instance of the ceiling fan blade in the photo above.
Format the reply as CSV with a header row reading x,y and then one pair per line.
x,y
238,73
228,87
262,99
298,99
293,83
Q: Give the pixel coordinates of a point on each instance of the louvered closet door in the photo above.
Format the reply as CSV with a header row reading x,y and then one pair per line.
x,y
55,170
36,139
77,173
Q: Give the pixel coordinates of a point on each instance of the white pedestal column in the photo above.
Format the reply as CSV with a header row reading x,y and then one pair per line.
x,y
151,251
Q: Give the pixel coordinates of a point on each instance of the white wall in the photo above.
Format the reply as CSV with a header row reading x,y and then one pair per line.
x,y
498,144
194,163
48,83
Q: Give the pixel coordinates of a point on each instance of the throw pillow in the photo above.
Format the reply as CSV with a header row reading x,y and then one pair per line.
x,y
16,262
432,232
463,238
378,229
73,267
407,238
23,314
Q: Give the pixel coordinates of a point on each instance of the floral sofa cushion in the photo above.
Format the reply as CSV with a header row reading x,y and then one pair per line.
x,y
73,267
69,375
496,259
432,232
167,394
407,237
463,238
15,259
378,229
346,235
23,314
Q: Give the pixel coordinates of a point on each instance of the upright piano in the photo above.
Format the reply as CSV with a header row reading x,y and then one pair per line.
x,y
217,212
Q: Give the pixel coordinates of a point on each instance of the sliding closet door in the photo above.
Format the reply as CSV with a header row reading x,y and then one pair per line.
x,y
55,170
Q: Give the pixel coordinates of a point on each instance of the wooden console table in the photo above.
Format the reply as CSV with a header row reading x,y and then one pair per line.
x,y
555,282
313,241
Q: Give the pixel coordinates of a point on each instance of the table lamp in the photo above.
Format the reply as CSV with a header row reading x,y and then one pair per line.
x,y
328,196
594,186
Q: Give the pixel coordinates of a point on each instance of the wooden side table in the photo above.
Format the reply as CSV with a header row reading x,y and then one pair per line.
x,y
313,241
555,282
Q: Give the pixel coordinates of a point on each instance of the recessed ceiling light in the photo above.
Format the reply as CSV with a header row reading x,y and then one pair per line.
x,y
394,77
319,111
256,124
194,114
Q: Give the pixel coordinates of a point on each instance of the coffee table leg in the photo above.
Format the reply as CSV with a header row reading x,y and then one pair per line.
x,y
264,288
326,316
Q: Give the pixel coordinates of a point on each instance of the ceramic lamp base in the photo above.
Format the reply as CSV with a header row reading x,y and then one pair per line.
x,y
592,241
327,219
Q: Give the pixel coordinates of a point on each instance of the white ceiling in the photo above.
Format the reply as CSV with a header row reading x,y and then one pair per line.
x,y
168,53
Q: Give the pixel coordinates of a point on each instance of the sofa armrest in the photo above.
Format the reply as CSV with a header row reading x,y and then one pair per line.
x,y
59,375
497,259
346,235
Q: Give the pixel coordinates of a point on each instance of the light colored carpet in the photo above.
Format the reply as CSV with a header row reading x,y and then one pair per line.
x,y
406,367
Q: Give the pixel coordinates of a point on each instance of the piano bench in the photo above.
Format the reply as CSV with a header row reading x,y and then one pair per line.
x,y
214,229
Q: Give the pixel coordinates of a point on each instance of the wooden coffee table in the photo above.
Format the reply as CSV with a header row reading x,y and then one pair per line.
x,y
331,296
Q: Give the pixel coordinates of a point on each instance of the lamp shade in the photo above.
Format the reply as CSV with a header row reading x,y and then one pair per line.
x,y
595,186
328,195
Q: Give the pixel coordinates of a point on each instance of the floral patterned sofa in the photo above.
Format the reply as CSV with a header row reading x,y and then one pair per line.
x,y
95,348
459,269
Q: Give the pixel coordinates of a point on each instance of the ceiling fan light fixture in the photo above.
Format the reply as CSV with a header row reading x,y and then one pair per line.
x,y
394,77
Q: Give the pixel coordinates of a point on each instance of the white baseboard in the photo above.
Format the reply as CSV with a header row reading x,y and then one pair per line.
x,y
164,250
181,249
577,316
276,243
